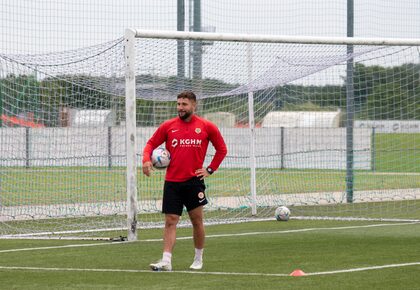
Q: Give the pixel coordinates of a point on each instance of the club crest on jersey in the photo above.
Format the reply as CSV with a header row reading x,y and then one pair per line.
x,y
201,195
198,130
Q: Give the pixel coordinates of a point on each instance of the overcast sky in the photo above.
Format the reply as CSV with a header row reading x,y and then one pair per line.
x,y
37,26
43,26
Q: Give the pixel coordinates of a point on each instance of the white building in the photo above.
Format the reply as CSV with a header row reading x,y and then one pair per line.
x,y
302,119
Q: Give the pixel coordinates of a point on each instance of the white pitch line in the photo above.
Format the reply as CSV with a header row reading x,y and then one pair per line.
x,y
363,269
211,273
60,247
290,231
138,271
210,236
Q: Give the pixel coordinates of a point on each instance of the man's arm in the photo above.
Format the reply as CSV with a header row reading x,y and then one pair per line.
x,y
219,144
157,138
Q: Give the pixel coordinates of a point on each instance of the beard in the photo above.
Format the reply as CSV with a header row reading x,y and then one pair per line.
x,y
184,116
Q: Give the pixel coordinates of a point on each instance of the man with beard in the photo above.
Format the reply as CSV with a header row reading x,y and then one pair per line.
x,y
186,138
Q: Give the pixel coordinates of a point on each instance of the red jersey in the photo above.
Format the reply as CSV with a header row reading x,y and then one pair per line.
x,y
187,143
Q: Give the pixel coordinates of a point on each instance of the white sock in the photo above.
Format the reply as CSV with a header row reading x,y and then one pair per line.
x,y
198,254
167,257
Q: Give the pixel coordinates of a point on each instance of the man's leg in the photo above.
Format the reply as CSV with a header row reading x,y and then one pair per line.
x,y
169,238
169,232
196,217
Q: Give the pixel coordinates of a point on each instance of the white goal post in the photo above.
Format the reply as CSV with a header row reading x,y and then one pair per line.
x,y
133,34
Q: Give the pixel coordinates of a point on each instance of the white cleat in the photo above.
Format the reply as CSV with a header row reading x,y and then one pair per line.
x,y
196,265
161,266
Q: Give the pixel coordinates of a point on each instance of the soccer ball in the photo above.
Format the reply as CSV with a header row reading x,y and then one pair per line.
x,y
282,213
160,158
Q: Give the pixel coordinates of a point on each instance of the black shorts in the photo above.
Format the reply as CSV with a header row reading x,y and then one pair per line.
x,y
176,195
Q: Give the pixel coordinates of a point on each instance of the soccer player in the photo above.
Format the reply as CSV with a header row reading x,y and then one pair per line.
x,y
186,137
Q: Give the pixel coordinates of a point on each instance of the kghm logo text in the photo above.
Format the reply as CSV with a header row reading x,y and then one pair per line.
x,y
186,142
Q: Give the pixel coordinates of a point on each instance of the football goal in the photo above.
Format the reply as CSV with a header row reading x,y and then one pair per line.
x,y
329,127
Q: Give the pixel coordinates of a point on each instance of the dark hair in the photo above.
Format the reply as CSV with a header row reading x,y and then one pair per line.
x,y
187,95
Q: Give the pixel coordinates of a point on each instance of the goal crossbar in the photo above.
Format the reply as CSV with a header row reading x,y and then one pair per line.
x,y
183,35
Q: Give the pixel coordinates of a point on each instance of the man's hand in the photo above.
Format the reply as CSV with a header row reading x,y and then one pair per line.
x,y
147,168
201,173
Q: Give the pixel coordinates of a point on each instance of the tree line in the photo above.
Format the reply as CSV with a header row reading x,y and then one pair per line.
x,y
380,93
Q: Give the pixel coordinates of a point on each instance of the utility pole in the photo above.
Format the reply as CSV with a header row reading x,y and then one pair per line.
x,y
349,105
197,48
1,104
180,46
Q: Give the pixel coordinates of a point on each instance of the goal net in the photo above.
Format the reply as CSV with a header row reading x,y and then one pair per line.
x,y
328,127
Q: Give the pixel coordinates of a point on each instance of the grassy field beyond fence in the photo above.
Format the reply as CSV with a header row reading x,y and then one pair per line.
x,y
396,160
397,152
